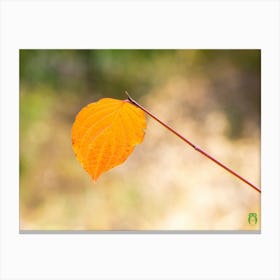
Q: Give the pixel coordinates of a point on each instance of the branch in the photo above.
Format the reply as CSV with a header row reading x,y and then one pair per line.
x,y
192,145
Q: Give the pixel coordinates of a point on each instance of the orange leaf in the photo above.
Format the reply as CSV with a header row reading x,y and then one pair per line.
x,y
105,133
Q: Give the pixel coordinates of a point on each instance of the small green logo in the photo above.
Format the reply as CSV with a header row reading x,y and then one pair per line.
x,y
252,218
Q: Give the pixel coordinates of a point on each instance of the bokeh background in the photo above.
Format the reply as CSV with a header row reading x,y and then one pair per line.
x,y
212,97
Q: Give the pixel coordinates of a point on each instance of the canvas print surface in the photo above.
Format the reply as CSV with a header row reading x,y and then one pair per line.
x,y
140,140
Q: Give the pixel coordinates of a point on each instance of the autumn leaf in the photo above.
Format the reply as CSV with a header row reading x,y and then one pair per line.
x,y
105,133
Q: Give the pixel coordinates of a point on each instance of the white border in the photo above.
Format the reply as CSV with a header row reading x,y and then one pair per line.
x,y
155,24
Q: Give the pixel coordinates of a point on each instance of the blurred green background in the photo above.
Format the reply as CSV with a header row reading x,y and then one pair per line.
x,y
212,97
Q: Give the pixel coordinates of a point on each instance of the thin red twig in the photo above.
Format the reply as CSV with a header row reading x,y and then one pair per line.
x,y
193,145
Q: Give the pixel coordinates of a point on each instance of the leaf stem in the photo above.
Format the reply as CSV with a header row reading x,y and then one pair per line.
x,y
191,144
